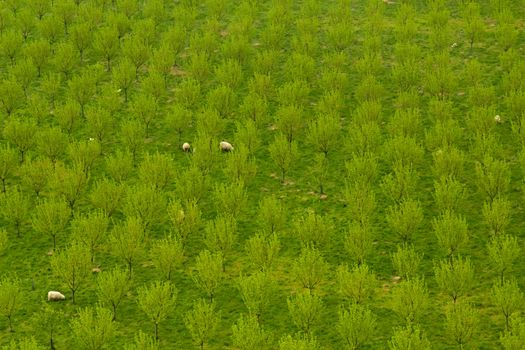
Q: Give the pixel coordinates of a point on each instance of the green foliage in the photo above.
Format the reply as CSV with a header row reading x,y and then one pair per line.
x,y
454,277
310,268
72,265
90,230
256,291
300,342
496,214
406,260
202,322
358,241
508,298
157,301
462,322
10,298
208,272
113,286
93,328
21,133
230,199
410,300
405,218
15,209
409,337
283,153
515,338
313,229
127,240
357,285
305,310
451,231
167,255
157,170
503,250
146,203
51,217
262,250
356,326
247,334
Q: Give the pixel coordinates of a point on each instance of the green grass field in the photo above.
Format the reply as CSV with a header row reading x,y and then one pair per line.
x,y
369,104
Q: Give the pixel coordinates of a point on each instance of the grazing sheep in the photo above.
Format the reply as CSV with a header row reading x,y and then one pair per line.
x,y
497,118
186,147
55,296
226,146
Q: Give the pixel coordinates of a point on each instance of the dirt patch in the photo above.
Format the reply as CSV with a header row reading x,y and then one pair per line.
x,y
178,72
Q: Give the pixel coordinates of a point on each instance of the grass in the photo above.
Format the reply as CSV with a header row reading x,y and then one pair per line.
x,y
26,256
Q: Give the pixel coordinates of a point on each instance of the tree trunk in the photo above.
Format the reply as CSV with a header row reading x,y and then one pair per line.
x,y
156,331
73,295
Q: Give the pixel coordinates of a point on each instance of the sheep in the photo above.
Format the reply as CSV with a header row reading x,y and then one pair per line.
x,y
226,146
497,119
55,296
186,147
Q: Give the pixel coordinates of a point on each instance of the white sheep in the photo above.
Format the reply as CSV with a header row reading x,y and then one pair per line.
x,y
54,296
226,146
497,118
186,147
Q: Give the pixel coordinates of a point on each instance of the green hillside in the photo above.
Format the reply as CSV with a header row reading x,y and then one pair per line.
x,y
372,198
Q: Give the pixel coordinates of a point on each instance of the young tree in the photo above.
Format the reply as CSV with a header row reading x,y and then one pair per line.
x,y
90,229
20,133
202,322
112,288
193,183
454,277
10,295
50,317
157,301
492,177
305,310
107,196
72,266
240,167
208,272
144,108
409,337
67,115
82,88
406,260
65,58
300,342
448,194
247,334
136,50
15,209
35,174
262,250
81,36
100,123
127,240
283,154
358,241
323,132
310,268
123,76
356,285
503,250
8,164
70,183
167,255
410,299
289,120
515,338
106,44
157,169
508,298
461,322
143,342
313,229
119,165
178,119
451,231
93,328
185,218
496,214
401,183
230,198
51,217
147,204
271,214
51,142
220,235
356,325
84,153
256,291
132,135
405,218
